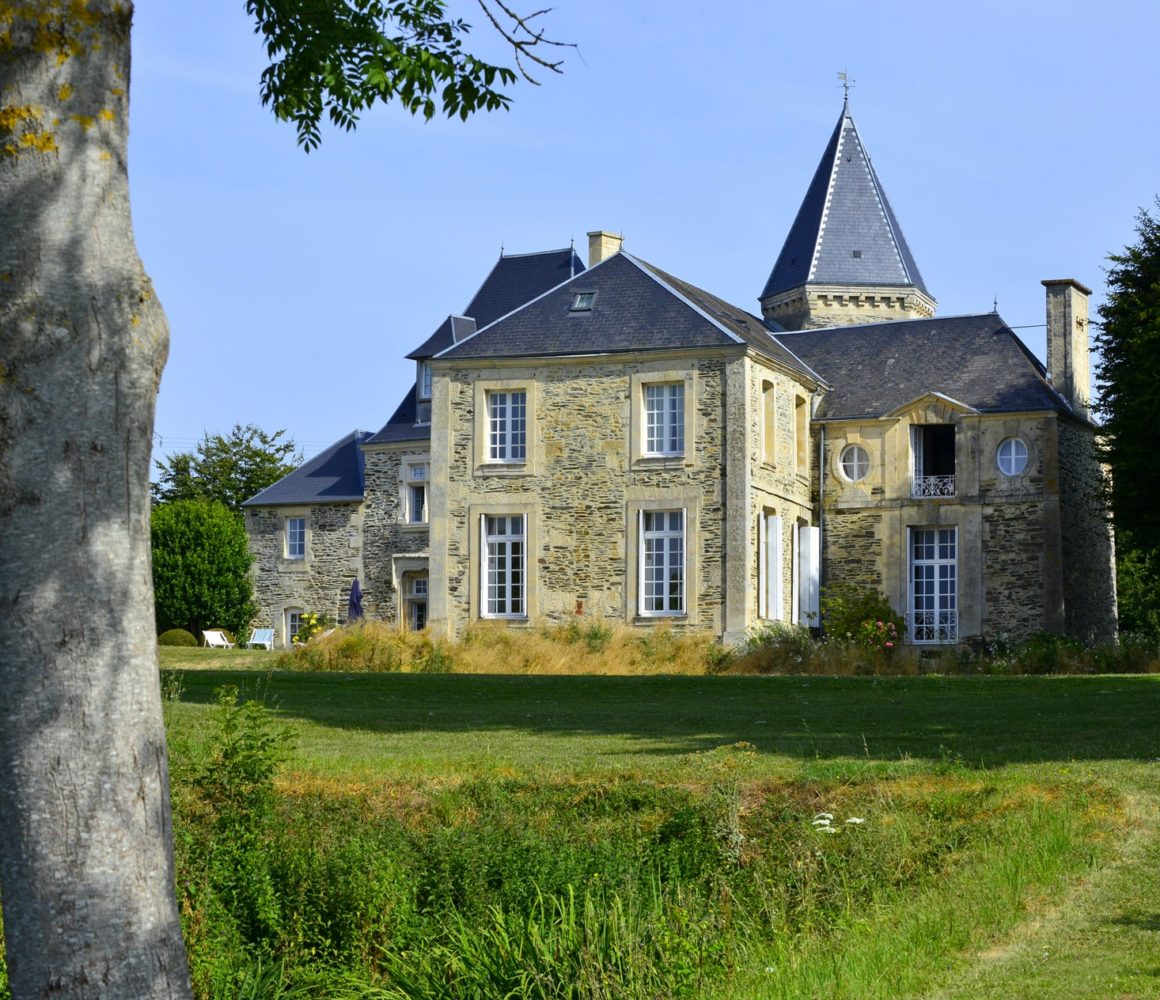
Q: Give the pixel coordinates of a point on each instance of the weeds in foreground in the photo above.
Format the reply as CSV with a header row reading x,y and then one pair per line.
x,y
564,888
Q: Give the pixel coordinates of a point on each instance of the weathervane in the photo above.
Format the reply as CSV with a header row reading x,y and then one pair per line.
x,y
847,83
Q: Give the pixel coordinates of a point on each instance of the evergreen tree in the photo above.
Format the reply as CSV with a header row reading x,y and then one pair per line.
x,y
1129,370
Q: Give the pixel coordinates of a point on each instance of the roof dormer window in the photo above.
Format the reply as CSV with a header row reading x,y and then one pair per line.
x,y
424,380
583,301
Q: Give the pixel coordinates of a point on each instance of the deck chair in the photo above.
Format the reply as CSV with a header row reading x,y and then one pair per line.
x,y
215,638
263,637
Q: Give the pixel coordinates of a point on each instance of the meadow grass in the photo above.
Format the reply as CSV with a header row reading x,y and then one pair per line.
x,y
502,821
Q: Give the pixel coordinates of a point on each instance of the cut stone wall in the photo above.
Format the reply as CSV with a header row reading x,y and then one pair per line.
x,y
580,486
321,581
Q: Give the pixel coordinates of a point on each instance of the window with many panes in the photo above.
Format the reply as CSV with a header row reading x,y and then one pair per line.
x,y
424,380
664,419
934,609
417,603
503,564
295,538
507,417
293,624
662,562
417,493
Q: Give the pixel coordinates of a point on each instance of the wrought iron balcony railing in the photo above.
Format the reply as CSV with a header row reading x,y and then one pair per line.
x,y
933,486
932,626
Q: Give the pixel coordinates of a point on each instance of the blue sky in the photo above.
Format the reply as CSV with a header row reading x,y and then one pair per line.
x,y
1016,141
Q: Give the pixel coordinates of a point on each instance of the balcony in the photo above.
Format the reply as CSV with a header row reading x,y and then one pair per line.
x,y
932,486
925,628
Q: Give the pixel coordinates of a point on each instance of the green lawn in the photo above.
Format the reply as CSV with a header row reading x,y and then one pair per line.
x,y
1034,917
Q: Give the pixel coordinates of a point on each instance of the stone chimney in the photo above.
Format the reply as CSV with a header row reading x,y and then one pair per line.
x,y
602,244
1068,346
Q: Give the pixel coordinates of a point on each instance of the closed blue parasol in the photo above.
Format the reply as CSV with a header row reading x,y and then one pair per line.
x,y
354,608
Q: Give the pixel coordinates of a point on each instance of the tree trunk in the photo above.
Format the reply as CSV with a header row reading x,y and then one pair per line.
x,y
86,863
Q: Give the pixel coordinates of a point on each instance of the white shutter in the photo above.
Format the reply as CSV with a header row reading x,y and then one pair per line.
x,y
762,569
684,560
640,561
809,574
772,575
524,567
482,565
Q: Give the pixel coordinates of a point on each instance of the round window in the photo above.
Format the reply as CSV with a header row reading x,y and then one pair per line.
x,y
1012,456
855,462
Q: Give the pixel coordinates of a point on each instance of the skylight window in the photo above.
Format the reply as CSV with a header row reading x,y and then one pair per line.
x,y
583,301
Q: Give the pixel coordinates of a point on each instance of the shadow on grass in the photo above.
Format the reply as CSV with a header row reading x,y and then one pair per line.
x,y
980,721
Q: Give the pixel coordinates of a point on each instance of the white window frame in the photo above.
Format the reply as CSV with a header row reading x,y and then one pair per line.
x,y
291,624
664,419
854,462
507,426
418,593
295,528
423,381
509,588
1008,453
770,593
414,471
649,534
936,622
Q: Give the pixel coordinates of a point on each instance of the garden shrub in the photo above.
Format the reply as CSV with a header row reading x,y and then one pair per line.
x,y
846,607
176,637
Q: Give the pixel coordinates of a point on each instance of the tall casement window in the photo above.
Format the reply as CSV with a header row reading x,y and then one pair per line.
x,y
933,452
417,603
503,565
664,419
662,562
293,624
424,380
934,609
507,416
417,493
295,538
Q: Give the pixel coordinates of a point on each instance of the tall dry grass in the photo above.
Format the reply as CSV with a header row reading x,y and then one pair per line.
x,y
581,646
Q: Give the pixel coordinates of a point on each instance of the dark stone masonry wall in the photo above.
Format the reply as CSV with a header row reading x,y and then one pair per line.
x,y
385,534
1089,586
320,582
1013,567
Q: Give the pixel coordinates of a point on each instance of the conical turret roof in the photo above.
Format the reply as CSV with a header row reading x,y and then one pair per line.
x,y
845,232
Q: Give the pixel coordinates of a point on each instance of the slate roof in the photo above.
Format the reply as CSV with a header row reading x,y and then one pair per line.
x,y
452,330
845,211
514,280
402,426
333,475
635,307
519,278
876,368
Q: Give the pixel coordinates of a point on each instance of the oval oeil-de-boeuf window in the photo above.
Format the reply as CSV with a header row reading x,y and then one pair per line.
x,y
1012,456
855,462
